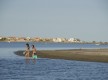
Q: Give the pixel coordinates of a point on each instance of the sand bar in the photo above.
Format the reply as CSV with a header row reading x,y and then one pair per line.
x,y
96,55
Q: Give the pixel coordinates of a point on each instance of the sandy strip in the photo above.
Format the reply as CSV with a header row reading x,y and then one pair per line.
x,y
96,55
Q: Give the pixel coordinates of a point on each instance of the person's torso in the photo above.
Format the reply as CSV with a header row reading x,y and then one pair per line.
x,y
27,50
34,51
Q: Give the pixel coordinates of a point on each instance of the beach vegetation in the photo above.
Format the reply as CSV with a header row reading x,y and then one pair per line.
x,y
3,39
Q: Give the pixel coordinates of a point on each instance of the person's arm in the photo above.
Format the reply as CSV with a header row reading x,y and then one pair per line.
x,y
24,52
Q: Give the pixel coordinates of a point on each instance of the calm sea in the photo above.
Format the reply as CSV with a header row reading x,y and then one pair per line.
x,y
13,67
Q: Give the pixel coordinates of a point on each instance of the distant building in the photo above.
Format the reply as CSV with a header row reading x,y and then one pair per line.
x,y
37,39
0,37
28,38
12,39
57,40
73,40
21,39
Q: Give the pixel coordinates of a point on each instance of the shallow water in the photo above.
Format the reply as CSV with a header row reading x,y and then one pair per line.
x,y
52,69
13,67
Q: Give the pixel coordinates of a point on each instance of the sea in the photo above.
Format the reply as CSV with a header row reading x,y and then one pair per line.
x,y
14,67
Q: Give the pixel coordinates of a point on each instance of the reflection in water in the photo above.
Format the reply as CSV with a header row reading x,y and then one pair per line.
x,y
52,69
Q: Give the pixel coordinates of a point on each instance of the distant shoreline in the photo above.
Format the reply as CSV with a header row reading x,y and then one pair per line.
x,y
53,39
56,42
94,55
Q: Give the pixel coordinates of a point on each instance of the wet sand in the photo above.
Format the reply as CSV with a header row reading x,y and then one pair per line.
x,y
95,55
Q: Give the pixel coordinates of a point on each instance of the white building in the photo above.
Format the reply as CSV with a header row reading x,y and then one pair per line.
x,y
0,37
28,38
57,40
73,40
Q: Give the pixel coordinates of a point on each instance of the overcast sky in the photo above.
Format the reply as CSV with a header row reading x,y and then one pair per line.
x,y
83,19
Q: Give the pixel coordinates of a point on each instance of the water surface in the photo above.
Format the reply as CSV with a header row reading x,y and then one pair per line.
x,y
13,67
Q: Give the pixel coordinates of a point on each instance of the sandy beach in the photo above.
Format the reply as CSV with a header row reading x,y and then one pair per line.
x,y
94,55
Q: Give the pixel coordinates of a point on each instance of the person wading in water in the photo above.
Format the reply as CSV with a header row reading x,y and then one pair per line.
x,y
27,53
34,56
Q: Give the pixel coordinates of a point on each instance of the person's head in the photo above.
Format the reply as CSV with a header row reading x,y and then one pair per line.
x,y
27,45
32,46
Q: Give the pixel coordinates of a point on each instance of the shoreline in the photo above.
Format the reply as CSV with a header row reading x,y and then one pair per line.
x,y
93,55
97,43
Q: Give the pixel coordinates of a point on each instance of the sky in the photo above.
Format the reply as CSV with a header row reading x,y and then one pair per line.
x,y
86,20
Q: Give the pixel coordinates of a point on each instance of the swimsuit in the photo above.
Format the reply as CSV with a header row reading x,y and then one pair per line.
x,y
34,56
